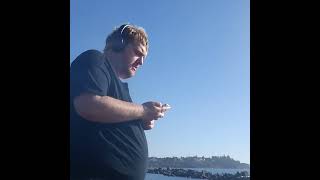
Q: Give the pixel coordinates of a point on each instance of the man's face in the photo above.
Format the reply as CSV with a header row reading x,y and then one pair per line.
x,y
132,58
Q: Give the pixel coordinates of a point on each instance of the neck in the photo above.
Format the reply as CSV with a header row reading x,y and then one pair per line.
x,y
112,60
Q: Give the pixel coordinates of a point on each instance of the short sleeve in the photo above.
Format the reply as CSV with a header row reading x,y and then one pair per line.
x,y
89,75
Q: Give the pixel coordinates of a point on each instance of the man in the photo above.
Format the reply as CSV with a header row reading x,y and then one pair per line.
x,y
107,139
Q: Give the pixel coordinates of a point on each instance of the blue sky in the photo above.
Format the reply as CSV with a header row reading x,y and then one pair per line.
x,y
198,62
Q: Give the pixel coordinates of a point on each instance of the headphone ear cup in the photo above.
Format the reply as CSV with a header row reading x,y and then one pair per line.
x,y
118,44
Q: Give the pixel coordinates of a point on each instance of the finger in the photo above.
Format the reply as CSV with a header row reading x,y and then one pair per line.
x,y
158,104
161,115
159,109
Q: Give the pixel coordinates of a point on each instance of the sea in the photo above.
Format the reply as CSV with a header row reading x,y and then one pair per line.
x,y
213,171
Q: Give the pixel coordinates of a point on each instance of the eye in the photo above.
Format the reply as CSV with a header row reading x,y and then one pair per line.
x,y
138,53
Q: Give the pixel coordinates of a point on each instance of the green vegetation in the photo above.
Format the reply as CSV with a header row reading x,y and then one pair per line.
x,y
219,162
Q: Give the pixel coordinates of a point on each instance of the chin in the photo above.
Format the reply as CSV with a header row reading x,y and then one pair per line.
x,y
126,76
131,73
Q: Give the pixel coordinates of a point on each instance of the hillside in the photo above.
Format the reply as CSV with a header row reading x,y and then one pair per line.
x,y
221,162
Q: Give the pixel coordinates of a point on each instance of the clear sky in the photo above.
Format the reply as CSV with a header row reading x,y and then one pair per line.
x,y
198,62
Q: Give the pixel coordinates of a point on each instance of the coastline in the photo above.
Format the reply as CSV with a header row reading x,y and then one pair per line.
x,y
190,173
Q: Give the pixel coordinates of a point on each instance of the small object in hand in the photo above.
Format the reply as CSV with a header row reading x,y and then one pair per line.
x,y
166,106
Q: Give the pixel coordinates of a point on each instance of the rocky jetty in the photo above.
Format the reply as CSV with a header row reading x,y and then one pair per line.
x,y
188,173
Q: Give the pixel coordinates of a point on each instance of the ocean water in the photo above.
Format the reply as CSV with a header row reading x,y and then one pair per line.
x,y
213,171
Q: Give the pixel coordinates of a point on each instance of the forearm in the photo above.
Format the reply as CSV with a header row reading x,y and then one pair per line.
x,y
106,109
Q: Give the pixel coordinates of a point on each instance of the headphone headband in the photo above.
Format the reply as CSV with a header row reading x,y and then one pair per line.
x,y
119,44
124,27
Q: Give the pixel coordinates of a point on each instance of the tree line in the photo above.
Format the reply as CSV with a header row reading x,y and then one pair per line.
x,y
221,162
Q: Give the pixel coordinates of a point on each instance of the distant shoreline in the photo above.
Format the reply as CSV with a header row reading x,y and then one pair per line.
x,y
216,162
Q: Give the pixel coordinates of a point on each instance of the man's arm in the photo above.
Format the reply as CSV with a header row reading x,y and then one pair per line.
x,y
106,109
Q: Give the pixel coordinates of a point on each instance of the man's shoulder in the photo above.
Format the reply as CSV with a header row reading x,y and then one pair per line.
x,y
90,57
91,52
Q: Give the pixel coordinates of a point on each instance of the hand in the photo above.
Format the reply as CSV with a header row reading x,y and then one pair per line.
x,y
152,110
147,125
